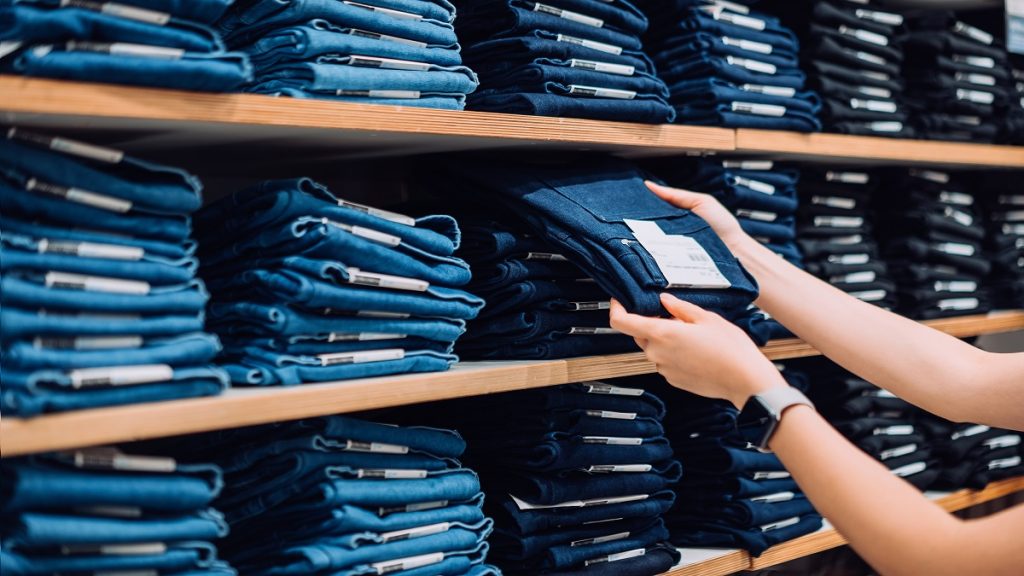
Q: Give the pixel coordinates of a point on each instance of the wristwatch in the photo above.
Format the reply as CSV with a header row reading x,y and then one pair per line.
x,y
766,409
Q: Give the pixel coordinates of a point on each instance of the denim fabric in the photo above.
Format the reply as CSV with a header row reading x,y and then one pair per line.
x,y
500,54
554,105
737,70
279,201
179,558
299,289
556,345
715,535
542,294
696,19
540,76
782,230
33,25
709,91
175,252
455,102
255,19
831,50
185,350
533,521
531,326
507,18
265,319
581,213
561,452
457,486
35,530
319,37
293,370
621,15
546,489
200,11
579,422
42,485
592,396
706,43
512,547
751,513
267,347
737,487
730,114
39,290
20,323
656,560
724,459
42,382
567,556
489,278
854,40
338,74
315,239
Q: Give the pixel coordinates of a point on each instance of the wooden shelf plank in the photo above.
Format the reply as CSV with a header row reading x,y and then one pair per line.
x,y
245,128
725,562
250,406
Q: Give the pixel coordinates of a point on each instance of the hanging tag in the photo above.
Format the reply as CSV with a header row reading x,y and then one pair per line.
x,y
120,375
848,177
880,76
80,196
390,94
782,91
849,259
113,459
774,498
749,165
897,430
589,306
366,233
385,37
616,557
897,452
387,63
781,524
886,18
613,440
125,49
143,549
976,61
374,447
1007,441
864,35
608,389
971,431
391,474
599,540
68,281
976,96
867,57
357,276
955,248
361,357
961,217
972,78
682,260
120,11
87,342
759,215
910,469
834,202
771,475
758,109
607,68
749,45
618,468
597,92
418,532
957,198
404,564
592,44
870,295
417,507
752,65
90,250
958,304
609,415
363,336
719,13
756,185
839,221
855,278
964,29
956,286
847,240
873,105
874,92
568,15
1005,463
72,147
388,11
592,331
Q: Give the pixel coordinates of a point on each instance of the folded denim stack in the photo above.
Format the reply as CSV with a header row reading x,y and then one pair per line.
x,y
101,305
879,423
597,212
100,511
732,495
309,287
934,243
1004,217
1012,131
400,52
562,58
161,43
341,496
853,53
837,236
727,65
763,197
539,304
577,478
957,79
972,456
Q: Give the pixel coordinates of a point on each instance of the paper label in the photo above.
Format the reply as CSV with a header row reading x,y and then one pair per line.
x,y
90,250
834,202
616,557
599,540
979,79
1012,216
886,18
771,475
958,304
568,15
839,221
72,147
142,549
869,58
589,306
608,389
379,213
120,11
592,44
386,38
609,415
931,175
613,440
374,447
756,185
961,217
977,61
391,474
855,278
110,511
748,45
389,11
546,256
366,233
955,248
719,13
120,375
418,532
848,177
88,342
910,469
387,63
956,286
783,91
897,452
752,65
361,278
873,105
850,259
847,240
1014,199
774,498
598,92
864,35
524,505
1004,463
957,198
898,430
1007,441
870,295
9,46
781,524
113,459
592,331
125,49
68,281
410,563
361,357
608,68
416,507
875,92
363,336
759,215
80,196
970,431
749,165
759,109
618,468
1017,229
733,6
975,96
874,75
973,33
682,260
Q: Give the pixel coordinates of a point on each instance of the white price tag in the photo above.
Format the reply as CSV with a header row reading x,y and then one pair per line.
x,y
682,260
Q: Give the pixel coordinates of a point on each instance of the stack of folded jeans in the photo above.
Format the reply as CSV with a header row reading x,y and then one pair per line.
x,y
161,43
576,478
732,495
100,511
401,52
935,244
1013,123
837,236
597,212
337,495
879,423
972,456
1004,217
539,304
101,305
764,199
562,58
309,287
957,79
727,65
853,53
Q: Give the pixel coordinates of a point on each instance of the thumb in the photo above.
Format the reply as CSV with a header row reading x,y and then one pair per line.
x,y
683,310
681,198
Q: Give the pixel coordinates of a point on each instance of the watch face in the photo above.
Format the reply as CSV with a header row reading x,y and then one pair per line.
x,y
755,414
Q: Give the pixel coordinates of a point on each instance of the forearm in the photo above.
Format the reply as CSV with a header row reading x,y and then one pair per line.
x,y
919,364
886,520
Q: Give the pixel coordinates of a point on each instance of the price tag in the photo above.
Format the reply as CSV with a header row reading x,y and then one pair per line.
x,y
120,375
682,260
608,389
618,69
749,45
897,452
389,11
592,44
568,15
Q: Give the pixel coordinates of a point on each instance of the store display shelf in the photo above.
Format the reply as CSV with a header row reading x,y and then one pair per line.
x,y
721,562
250,406
231,129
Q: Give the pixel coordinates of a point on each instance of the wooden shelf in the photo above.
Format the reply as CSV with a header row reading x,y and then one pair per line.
x,y
721,562
249,406
242,129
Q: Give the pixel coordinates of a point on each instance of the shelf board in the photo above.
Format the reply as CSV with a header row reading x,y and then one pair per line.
x,y
206,130
250,406
722,562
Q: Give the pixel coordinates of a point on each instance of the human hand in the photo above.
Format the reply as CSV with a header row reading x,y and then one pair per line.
x,y
707,207
699,351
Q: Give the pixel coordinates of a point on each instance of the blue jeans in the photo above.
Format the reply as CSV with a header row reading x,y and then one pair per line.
x,y
709,91
731,115
545,295
319,37
555,105
531,326
75,292
697,20
280,201
706,43
342,75
247,23
548,489
561,344
514,548
456,102
563,453
21,323
454,545
534,521
695,532
507,18
537,77
737,70
505,53
490,277
294,370
185,350
156,250
179,558
33,530
567,556
593,396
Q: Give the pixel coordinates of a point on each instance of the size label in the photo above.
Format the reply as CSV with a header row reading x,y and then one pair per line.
x,y
357,276
374,447
90,250
897,452
864,35
125,49
609,390
68,281
599,539
834,202
752,65
875,92
616,468
957,198
756,185
120,11
613,440
609,415
120,375
598,92
524,505
749,45
956,286
87,342
873,105
387,63
886,18
80,196
410,563
618,69
365,233
363,336
774,498
783,91
973,33
720,13
391,474
682,260
759,109
389,11
592,44
114,459
385,37
958,304
848,177
72,147
418,532
568,15
362,357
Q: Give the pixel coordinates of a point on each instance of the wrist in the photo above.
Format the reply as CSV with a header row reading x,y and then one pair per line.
x,y
757,382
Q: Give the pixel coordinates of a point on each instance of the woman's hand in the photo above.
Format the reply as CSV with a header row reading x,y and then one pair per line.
x,y
707,207
700,352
